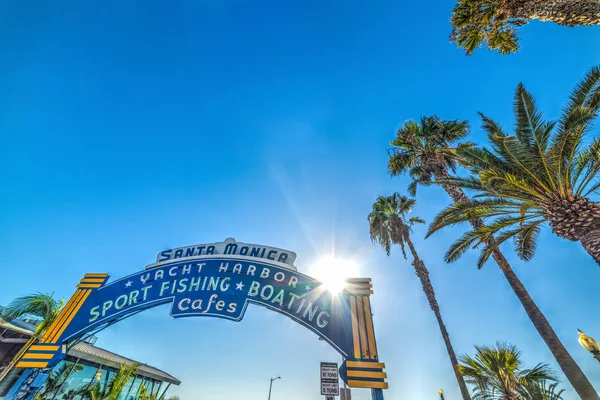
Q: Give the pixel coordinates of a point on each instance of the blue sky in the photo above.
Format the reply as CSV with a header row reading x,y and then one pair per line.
x,y
131,127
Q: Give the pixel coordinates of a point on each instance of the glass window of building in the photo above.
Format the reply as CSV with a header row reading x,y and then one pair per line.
x,y
78,380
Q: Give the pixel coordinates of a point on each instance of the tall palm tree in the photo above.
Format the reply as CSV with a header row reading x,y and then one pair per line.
x,y
388,225
42,305
497,373
115,386
427,151
494,22
544,173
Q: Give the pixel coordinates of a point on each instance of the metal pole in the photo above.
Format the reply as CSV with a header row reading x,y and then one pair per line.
x,y
377,394
270,386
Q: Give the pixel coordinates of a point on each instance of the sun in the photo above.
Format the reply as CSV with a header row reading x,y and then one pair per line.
x,y
333,271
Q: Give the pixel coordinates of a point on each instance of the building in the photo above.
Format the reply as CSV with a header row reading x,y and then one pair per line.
x,y
85,364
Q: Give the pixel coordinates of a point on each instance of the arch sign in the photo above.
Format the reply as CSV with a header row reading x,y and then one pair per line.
x,y
221,280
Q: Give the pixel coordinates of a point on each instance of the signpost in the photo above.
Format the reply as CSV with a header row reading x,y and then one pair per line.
x,y
330,380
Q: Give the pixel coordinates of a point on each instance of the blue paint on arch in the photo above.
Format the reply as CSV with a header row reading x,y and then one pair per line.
x,y
220,287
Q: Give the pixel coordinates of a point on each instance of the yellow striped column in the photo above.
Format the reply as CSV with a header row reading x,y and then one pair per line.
x,y
365,371
40,354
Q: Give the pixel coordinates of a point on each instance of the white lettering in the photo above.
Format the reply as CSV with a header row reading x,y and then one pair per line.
x,y
253,291
322,323
180,305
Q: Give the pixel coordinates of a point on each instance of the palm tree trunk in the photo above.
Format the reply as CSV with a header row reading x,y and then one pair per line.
x,y
574,374
423,275
591,244
562,12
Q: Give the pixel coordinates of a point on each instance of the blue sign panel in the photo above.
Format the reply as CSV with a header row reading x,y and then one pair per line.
x,y
220,287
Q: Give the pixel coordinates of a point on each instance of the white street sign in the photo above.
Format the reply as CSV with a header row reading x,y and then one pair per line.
x,y
329,397
330,381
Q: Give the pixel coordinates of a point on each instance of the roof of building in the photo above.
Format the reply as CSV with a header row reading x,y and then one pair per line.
x,y
98,355
14,328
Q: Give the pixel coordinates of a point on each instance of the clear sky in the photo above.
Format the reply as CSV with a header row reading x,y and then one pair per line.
x,y
134,126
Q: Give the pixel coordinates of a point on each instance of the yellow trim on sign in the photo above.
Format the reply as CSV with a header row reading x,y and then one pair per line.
x,y
355,338
366,374
31,364
368,384
96,275
358,279
370,332
44,348
89,285
365,364
41,356
61,317
93,280
363,330
360,292
62,329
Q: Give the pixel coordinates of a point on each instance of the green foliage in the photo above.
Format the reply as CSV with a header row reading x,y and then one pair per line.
x,y
115,386
497,373
483,22
388,223
426,147
519,178
143,394
41,305
56,378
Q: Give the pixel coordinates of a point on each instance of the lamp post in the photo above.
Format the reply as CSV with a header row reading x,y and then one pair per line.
x,y
441,392
271,385
589,344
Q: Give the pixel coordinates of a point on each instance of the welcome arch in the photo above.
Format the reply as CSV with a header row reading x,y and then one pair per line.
x,y
221,280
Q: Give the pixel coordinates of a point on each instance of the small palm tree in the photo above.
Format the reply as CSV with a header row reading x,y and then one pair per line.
x,y
389,225
494,22
143,394
428,151
115,386
497,373
544,173
544,391
42,305
56,378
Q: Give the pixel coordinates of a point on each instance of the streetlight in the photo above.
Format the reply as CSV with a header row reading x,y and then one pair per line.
x,y
589,344
441,392
271,385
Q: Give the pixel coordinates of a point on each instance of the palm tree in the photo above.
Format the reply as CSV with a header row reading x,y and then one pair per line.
x,y
115,386
42,305
427,151
143,394
389,225
545,172
544,391
56,378
494,22
497,373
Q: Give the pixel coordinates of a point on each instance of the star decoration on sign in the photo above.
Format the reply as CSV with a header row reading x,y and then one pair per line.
x,y
239,286
128,284
307,288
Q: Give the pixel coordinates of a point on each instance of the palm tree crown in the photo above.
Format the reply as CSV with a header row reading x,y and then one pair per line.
x,y
497,373
480,22
544,172
388,223
426,149
42,305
